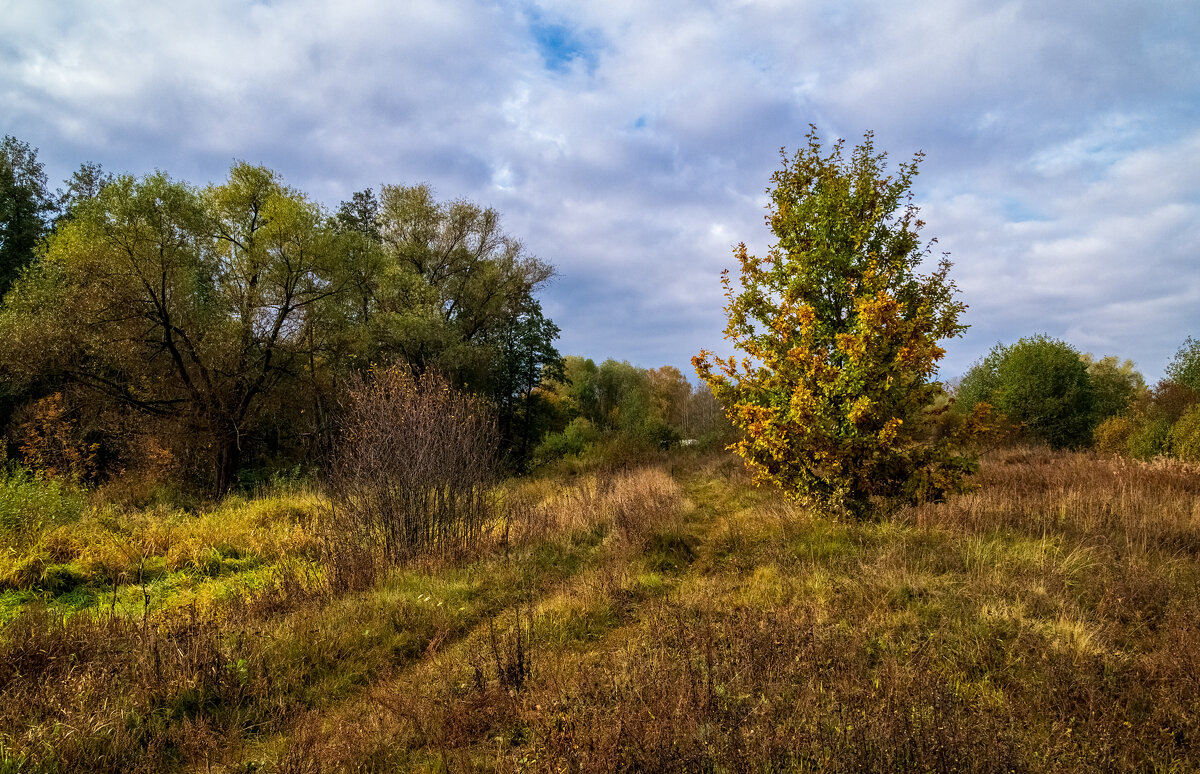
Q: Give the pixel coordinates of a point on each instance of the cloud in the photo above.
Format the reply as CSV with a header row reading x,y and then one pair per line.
x,y
629,143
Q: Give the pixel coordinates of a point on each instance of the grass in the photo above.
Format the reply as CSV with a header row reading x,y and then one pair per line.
x,y
654,619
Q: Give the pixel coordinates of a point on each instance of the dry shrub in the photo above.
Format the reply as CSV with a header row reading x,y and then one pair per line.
x,y
415,466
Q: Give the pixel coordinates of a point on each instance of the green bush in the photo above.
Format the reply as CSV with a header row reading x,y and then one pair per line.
x,y
1185,436
1039,383
578,436
1150,440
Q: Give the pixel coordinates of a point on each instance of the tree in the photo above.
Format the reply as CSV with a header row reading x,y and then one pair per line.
x,y
670,393
840,339
179,303
1185,366
1039,383
83,185
1115,385
25,205
451,280
525,356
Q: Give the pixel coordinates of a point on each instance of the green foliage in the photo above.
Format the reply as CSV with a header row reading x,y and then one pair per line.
x,y
525,357
1185,366
573,440
630,412
28,505
1150,439
1039,383
841,337
1115,385
25,205
225,318
178,303
449,282
1185,436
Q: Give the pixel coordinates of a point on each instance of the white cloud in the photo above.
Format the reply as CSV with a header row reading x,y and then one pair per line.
x,y
1063,152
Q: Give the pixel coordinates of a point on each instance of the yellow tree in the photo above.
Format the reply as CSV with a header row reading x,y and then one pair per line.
x,y
834,393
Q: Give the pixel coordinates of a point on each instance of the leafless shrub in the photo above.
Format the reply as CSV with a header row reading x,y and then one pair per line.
x,y
415,467
511,654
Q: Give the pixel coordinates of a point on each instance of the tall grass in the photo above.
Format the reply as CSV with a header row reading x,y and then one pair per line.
x,y
29,504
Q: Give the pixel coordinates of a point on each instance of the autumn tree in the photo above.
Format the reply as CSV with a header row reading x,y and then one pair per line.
x,y
839,334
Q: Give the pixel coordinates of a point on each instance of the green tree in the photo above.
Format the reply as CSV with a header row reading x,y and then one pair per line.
x,y
1185,366
180,303
578,389
25,207
1115,385
524,358
840,338
1039,383
83,185
451,281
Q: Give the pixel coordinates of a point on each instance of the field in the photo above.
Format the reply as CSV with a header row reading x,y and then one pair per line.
x,y
670,617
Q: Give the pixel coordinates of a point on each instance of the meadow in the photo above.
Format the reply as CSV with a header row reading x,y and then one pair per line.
x,y
667,616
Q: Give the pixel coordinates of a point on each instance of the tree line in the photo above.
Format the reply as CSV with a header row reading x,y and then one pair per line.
x,y
1046,390
211,335
206,332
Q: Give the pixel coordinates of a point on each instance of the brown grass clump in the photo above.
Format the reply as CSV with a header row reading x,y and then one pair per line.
x,y
631,502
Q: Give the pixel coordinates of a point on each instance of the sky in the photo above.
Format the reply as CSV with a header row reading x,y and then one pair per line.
x,y
630,143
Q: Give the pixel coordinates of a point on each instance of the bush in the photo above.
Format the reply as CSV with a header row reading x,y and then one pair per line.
x,y
1150,440
574,440
29,504
1185,436
415,464
1112,436
1040,383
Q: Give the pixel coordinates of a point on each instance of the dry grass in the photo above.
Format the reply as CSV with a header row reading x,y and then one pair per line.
x,y
644,622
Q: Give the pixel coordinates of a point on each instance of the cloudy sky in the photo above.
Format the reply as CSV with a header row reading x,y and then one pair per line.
x,y
629,143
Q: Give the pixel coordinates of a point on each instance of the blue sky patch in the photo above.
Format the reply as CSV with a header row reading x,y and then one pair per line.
x,y
560,45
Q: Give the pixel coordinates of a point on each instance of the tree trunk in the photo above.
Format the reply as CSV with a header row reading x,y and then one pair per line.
x,y
227,447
